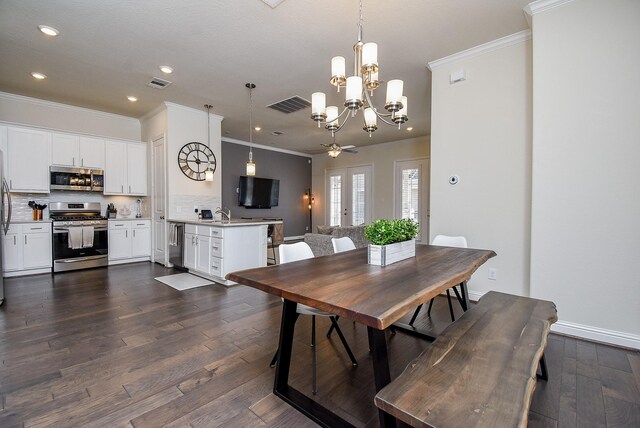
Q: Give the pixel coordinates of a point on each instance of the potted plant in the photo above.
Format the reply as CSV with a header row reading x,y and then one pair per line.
x,y
391,240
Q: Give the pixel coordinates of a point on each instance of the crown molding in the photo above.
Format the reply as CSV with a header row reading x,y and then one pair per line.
x,y
260,146
191,109
539,6
38,101
493,45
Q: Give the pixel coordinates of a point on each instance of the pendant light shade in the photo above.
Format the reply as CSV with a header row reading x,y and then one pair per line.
x,y
251,166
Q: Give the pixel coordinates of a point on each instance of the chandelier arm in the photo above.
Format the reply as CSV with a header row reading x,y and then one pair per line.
x,y
380,116
339,116
346,119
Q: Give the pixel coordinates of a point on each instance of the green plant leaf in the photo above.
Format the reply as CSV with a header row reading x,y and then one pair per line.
x,y
384,231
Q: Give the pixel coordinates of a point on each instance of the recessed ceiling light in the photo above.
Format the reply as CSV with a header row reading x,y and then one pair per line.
x,y
410,128
39,76
49,31
132,99
257,128
166,69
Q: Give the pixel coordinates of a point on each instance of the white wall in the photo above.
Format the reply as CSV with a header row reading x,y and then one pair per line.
x,y
481,131
586,150
186,125
45,114
382,157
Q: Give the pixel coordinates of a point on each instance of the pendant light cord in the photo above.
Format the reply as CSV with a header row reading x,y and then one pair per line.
x,y
251,122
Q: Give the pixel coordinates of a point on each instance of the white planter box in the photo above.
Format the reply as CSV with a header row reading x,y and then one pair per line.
x,y
382,255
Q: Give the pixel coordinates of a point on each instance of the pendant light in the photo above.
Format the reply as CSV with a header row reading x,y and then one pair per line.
x,y
251,166
208,173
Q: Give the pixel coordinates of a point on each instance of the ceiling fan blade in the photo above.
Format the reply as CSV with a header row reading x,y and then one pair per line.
x,y
351,146
349,150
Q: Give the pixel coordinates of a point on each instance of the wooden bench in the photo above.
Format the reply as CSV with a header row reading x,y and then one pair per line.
x,y
480,372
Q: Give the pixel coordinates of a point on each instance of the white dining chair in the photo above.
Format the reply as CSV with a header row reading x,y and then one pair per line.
x,y
342,244
300,251
447,241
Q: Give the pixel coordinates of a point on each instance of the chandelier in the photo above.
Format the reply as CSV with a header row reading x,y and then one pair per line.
x,y
359,90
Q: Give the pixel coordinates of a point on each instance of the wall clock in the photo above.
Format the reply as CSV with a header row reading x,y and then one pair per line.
x,y
194,159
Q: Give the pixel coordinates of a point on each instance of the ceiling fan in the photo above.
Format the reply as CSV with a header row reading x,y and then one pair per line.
x,y
335,149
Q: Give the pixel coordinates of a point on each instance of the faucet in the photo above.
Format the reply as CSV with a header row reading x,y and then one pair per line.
x,y
224,213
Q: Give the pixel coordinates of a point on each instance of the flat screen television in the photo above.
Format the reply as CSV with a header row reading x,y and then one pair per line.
x,y
257,192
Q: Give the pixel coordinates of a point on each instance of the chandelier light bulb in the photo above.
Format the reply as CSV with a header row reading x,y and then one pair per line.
x,y
332,118
394,95
318,103
353,98
370,118
338,67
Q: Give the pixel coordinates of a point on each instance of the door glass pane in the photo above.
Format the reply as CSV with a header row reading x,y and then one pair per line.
x,y
410,194
335,202
357,199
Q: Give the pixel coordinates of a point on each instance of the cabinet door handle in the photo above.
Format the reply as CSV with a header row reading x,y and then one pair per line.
x,y
73,160
192,240
122,188
10,184
126,233
196,240
129,188
14,240
82,162
215,248
25,239
134,233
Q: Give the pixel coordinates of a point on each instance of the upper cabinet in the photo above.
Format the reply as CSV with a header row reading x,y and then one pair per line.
x,y
28,160
125,168
78,151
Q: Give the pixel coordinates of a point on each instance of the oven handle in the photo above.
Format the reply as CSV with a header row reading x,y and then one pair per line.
x,y
66,229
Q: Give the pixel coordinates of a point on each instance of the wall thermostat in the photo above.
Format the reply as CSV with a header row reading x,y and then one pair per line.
x,y
454,179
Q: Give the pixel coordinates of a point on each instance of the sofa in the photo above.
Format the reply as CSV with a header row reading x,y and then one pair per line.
x,y
320,242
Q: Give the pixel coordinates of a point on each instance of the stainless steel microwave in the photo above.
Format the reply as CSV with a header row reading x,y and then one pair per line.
x,y
69,178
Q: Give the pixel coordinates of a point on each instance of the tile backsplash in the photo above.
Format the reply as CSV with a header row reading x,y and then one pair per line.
x,y
22,211
182,206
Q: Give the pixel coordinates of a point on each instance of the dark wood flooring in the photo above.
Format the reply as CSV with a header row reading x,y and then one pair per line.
x,y
113,347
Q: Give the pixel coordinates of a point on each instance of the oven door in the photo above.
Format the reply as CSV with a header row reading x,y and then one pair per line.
x,y
65,258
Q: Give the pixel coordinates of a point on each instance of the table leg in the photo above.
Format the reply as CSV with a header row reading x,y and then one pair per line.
x,y
381,373
305,405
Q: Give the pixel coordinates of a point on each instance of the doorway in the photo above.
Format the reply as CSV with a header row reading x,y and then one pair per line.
x,y
159,201
411,193
349,196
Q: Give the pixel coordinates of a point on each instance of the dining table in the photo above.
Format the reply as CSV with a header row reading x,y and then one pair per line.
x,y
345,285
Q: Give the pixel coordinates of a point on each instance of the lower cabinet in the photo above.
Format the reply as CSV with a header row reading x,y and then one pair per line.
x,y
26,249
215,251
129,241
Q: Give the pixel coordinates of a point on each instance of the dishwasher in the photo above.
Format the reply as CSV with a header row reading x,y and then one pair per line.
x,y
176,244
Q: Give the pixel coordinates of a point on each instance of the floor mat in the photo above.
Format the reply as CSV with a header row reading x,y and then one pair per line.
x,y
183,281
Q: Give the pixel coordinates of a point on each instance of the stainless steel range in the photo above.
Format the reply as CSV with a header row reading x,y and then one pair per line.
x,y
80,236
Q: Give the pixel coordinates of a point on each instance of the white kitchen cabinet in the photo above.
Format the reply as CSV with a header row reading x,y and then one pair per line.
x,y
129,240
197,248
27,249
125,168
78,151
137,169
91,152
140,238
28,160
225,249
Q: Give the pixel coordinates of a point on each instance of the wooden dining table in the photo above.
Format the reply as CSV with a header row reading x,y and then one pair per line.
x,y
344,284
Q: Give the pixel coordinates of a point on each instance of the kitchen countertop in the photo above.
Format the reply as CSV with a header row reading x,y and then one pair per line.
x,y
225,223
129,218
15,221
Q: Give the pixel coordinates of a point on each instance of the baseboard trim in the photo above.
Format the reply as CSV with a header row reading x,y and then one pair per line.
x,y
587,332
596,334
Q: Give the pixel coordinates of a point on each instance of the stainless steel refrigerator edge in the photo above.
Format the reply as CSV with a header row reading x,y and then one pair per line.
x,y
5,211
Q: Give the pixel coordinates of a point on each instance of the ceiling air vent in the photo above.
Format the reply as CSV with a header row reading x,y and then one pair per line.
x,y
158,83
290,105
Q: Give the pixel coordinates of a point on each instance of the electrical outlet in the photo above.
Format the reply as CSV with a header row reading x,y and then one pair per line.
x,y
306,228
195,210
178,209
493,274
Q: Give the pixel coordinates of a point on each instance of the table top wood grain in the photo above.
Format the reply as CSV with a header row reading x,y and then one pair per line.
x,y
345,284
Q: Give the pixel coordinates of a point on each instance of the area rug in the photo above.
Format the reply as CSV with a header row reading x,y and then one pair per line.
x,y
183,281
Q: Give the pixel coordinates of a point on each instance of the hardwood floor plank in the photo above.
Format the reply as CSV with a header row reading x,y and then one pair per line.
x,y
611,357
587,360
536,420
619,384
634,362
589,402
568,391
621,413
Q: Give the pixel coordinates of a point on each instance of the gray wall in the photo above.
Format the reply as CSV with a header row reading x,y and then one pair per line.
x,y
294,173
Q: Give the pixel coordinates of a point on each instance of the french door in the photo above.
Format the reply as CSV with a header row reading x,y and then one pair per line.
x,y
349,196
411,190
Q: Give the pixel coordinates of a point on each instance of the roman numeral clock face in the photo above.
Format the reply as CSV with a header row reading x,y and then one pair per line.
x,y
194,159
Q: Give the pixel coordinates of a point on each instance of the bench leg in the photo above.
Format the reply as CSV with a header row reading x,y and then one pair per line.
x,y
453,317
544,374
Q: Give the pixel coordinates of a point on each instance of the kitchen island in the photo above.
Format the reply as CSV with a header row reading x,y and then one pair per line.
x,y
214,248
